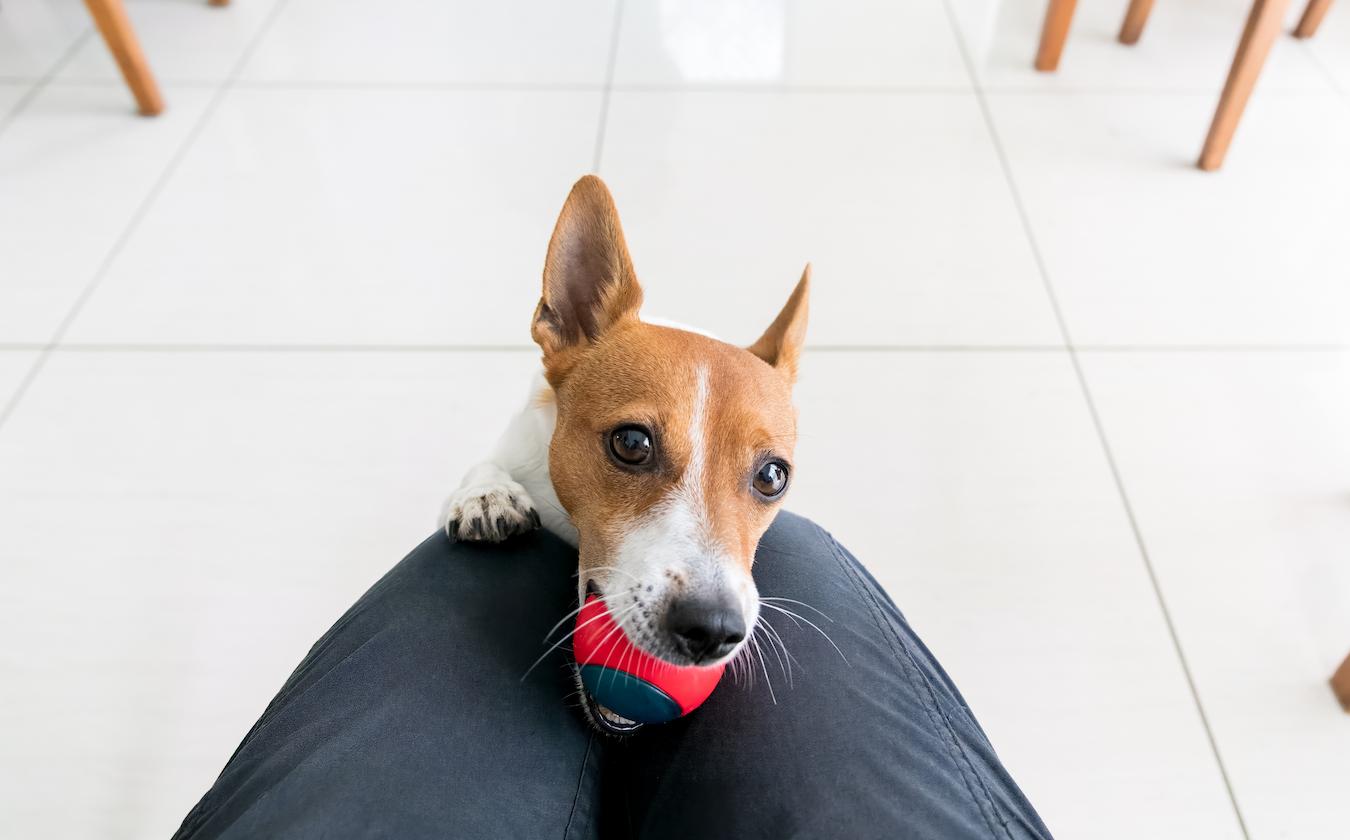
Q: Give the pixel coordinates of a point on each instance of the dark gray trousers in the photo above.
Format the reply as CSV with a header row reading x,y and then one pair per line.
x,y
409,719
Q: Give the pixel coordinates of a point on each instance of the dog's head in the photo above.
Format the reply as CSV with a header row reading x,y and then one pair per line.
x,y
672,450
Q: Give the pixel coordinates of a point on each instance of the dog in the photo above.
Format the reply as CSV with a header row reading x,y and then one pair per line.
x,y
661,453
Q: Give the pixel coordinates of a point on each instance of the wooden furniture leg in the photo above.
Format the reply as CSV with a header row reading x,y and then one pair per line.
x,y
1055,30
1135,18
1312,18
111,18
1263,24
220,2
1340,683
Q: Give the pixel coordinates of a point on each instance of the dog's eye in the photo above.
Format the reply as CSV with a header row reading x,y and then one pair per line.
x,y
631,444
771,479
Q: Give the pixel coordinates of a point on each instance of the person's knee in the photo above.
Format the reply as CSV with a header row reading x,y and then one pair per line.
x,y
798,556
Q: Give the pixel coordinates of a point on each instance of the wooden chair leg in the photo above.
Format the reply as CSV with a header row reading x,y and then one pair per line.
x,y
220,2
1340,683
1058,16
1263,24
111,18
1312,18
1135,18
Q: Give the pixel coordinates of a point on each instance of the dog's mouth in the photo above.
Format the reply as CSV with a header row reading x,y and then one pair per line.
x,y
605,720
602,718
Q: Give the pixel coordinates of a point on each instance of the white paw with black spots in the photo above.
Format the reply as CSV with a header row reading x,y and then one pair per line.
x,y
489,512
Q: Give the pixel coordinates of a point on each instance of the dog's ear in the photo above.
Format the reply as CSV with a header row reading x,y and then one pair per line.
x,y
781,344
589,283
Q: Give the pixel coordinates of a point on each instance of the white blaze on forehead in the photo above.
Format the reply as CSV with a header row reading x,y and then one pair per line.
x,y
677,535
690,490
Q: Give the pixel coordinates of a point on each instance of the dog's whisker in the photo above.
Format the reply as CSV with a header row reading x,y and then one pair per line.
x,y
812,625
617,629
775,642
799,603
615,569
767,681
618,666
627,658
564,639
791,615
783,665
563,620
750,678
615,633
792,660
754,638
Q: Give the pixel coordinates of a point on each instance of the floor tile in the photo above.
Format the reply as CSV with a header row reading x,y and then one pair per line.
x,y
1236,465
864,43
179,529
1185,47
529,42
35,34
332,216
76,163
184,40
1143,248
14,366
725,195
975,489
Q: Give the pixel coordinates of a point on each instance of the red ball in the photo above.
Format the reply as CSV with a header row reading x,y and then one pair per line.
x,y
629,681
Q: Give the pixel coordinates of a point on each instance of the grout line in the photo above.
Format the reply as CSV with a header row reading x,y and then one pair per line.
x,y
927,89
1179,93
1095,416
288,348
409,85
1330,347
137,216
44,81
320,347
609,87
284,85
166,82
783,88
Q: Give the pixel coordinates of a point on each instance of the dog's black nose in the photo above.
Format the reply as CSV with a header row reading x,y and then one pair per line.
x,y
705,629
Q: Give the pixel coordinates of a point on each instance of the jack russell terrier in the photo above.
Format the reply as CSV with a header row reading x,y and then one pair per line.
x,y
661,453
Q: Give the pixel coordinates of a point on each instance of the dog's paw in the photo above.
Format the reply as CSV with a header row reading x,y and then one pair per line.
x,y
489,512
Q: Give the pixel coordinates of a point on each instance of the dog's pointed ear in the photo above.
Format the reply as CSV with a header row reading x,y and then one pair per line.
x,y
781,344
589,283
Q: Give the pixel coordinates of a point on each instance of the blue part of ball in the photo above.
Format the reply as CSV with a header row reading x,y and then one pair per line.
x,y
629,696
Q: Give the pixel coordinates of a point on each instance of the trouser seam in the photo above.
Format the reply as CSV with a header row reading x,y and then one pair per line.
x,y
581,779
932,708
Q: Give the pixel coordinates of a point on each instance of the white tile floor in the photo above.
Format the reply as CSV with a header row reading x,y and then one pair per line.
x,y
246,347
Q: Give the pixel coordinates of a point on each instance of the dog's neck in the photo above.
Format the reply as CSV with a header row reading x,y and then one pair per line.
x,y
523,451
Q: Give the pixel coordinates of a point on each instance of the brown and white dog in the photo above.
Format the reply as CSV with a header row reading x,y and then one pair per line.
x,y
661,453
